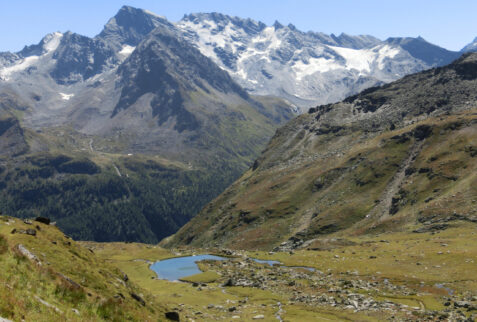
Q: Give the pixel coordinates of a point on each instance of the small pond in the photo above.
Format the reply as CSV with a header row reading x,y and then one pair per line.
x,y
174,269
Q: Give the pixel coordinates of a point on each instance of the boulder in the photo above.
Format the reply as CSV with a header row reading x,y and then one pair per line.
x,y
230,282
43,220
31,232
173,316
72,284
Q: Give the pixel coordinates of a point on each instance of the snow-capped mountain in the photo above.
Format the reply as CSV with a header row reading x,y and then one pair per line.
x,y
139,77
306,68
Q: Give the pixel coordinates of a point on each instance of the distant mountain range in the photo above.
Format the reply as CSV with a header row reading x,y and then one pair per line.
x,y
307,68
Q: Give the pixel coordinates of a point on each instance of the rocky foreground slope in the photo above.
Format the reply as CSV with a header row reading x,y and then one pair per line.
x,y
401,157
47,276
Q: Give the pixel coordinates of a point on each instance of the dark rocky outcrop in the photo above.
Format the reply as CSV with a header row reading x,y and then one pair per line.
x,y
172,316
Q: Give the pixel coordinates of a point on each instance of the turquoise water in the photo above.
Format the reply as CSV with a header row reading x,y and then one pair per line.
x,y
174,269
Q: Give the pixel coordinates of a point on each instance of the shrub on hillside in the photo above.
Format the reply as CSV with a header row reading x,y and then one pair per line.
x,y
3,245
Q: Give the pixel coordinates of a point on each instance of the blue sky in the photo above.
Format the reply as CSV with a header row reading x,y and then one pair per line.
x,y
450,24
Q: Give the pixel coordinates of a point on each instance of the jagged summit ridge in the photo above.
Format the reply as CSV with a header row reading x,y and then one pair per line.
x,y
306,68
77,57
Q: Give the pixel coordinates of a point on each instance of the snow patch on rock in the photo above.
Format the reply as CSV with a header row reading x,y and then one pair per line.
x,y
126,51
66,97
52,41
6,72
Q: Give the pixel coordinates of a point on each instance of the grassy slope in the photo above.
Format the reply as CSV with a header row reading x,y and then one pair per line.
x,y
317,193
93,293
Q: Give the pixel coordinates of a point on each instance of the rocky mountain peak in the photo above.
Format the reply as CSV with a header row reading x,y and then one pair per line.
x,y
423,50
167,65
130,25
277,25
390,151
49,43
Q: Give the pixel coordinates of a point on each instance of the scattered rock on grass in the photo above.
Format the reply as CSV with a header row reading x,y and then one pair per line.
x,y
51,306
69,281
31,232
23,251
139,299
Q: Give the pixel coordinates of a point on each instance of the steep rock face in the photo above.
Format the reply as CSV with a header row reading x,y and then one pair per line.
x,y
168,67
306,68
79,58
396,157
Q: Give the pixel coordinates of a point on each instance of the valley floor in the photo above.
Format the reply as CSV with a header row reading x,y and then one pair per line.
x,y
396,276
